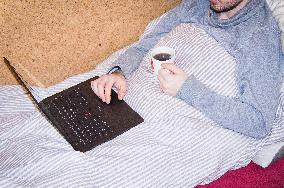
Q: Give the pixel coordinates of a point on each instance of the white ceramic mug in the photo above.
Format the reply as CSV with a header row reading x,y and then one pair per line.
x,y
159,55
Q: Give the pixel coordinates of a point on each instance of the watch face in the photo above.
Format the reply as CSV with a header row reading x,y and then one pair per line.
x,y
114,69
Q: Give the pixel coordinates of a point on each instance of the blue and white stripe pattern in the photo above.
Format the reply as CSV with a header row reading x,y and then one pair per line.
x,y
176,145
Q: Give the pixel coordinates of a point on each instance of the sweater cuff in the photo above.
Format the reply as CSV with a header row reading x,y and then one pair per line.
x,y
129,61
195,93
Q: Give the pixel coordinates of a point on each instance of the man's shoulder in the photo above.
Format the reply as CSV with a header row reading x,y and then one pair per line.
x,y
265,19
263,25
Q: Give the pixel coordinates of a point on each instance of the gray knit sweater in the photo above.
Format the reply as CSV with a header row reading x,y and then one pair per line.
x,y
252,37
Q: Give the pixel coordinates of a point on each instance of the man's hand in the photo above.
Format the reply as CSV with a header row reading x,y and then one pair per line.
x,y
171,78
102,86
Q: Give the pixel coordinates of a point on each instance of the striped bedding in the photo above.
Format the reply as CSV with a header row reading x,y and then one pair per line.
x,y
176,145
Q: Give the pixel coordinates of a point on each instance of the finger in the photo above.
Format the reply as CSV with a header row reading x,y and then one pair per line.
x,y
172,67
101,90
94,87
163,83
108,87
121,89
163,74
161,77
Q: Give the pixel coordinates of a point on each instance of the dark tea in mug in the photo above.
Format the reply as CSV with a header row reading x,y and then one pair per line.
x,y
163,56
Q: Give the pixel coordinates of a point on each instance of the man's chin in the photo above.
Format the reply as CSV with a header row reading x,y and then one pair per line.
x,y
216,8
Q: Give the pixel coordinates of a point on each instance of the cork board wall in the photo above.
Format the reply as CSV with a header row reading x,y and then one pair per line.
x,y
52,40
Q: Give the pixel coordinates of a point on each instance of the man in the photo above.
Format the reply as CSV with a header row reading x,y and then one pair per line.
x,y
248,31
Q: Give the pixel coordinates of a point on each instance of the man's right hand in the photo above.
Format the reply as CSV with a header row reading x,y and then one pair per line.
x,y
102,86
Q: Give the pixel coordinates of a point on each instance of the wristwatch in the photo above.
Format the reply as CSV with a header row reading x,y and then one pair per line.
x,y
115,69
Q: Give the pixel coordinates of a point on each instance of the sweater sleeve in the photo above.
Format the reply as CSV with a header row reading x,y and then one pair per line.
x,y
130,60
254,110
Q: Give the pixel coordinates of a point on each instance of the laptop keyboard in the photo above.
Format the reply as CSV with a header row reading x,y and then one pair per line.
x,y
85,124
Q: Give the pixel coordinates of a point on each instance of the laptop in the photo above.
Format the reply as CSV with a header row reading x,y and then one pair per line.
x,y
81,117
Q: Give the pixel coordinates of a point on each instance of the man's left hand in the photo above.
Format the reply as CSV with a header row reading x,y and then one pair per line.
x,y
171,78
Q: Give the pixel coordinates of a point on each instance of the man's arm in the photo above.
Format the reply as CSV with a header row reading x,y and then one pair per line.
x,y
130,60
253,112
133,56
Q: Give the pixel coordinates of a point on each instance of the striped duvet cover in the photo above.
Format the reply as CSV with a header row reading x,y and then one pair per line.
x,y
176,145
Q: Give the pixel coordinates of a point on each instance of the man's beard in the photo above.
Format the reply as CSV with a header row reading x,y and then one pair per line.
x,y
224,7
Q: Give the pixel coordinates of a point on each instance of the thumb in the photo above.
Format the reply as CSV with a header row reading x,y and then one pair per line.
x,y
171,67
121,86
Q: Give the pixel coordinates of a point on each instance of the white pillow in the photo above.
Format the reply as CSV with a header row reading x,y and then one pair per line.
x,y
269,154
277,7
